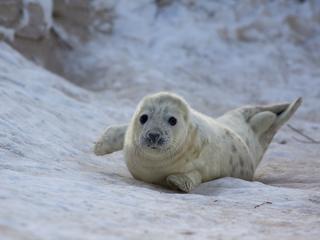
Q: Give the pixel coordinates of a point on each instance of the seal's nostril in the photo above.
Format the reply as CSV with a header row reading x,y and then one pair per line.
x,y
153,137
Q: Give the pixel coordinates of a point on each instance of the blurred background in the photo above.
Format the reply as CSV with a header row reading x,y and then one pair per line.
x,y
224,52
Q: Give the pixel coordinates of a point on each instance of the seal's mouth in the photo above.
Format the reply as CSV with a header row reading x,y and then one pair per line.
x,y
154,145
154,149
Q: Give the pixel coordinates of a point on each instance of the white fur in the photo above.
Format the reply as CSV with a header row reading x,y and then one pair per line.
x,y
200,148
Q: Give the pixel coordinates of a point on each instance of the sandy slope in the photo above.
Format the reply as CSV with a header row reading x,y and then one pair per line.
x,y
53,187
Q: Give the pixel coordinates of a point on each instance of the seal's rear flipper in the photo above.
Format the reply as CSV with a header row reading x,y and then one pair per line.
x,y
262,121
267,121
284,116
273,117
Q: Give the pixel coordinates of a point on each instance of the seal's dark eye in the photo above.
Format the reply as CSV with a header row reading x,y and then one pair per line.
x,y
172,121
143,119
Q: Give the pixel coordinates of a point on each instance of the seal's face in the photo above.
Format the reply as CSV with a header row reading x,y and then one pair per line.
x,y
162,125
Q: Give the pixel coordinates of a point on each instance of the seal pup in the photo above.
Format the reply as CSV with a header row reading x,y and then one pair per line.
x,y
169,143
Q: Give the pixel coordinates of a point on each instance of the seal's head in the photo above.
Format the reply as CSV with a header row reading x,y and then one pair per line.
x,y
160,124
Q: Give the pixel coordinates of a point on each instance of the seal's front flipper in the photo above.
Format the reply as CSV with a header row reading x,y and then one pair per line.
x,y
184,182
111,141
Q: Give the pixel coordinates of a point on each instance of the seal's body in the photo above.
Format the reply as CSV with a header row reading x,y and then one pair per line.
x,y
169,143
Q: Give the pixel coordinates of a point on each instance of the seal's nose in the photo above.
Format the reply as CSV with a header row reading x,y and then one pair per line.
x,y
153,137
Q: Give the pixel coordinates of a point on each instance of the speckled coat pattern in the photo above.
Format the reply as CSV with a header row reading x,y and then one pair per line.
x,y
231,145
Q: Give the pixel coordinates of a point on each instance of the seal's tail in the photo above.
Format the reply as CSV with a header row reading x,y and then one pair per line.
x,y
270,118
